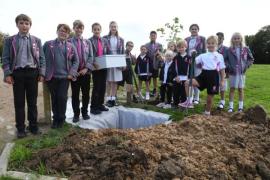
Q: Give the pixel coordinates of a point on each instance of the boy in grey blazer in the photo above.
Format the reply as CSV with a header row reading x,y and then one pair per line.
x,y
23,64
62,64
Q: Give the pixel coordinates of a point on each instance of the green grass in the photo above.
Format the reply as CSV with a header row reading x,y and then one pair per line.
x,y
24,148
7,178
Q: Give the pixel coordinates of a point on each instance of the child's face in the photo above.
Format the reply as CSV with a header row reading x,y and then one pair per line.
x,y
143,50
23,26
168,57
62,33
194,31
113,28
129,47
153,37
171,47
211,45
181,49
96,31
220,39
236,40
78,30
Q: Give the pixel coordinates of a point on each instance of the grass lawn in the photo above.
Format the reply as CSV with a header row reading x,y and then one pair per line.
x,y
256,92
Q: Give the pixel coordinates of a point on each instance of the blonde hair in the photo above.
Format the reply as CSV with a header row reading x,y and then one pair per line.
x,y
169,53
78,23
242,39
182,42
213,38
171,43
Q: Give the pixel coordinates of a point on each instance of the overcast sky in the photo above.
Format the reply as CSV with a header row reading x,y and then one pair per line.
x,y
137,18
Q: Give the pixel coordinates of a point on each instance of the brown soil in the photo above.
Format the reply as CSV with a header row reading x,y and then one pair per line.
x,y
200,147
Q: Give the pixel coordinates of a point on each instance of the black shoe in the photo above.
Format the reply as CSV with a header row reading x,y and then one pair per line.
x,y
76,119
95,111
134,99
103,108
33,130
21,134
110,103
85,116
54,125
60,124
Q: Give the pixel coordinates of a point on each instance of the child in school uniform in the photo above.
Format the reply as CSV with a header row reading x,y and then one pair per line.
x,y
181,65
85,54
144,69
155,50
114,75
213,67
238,59
172,46
222,50
166,76
62,64
127,72
23,63
195,43
99,76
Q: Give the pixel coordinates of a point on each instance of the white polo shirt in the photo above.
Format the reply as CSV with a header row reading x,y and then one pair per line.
x,y
211,61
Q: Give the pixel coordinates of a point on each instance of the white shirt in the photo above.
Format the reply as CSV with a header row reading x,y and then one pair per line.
x,y
166,68
113,43
211,61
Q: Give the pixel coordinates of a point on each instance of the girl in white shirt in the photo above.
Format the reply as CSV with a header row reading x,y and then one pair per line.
x,y
212,64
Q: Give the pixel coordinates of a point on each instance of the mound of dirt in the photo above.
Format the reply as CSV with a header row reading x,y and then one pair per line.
x,y
200,147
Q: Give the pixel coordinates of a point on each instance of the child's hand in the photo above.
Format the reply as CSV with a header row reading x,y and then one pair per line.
x,y
96,66
177,79
40,78
83,71
9,80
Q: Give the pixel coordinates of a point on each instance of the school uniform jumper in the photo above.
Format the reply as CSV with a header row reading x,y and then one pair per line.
x,y
144,67
181,64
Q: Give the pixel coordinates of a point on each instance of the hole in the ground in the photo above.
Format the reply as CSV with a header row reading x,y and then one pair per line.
x,y
120,117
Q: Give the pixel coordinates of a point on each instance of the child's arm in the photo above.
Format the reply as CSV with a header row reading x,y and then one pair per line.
x,y
42,61
136,66
75,64
6,60
90,58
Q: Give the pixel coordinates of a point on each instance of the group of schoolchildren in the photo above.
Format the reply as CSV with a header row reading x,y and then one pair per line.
x,y
66,59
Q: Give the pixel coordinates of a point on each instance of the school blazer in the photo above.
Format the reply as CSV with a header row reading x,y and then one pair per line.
x,y
87,49
120,44
200,46
170,75
158,47
10,49
94,42
72,60
230,60
141,65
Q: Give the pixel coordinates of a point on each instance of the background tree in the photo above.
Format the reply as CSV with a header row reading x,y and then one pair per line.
x,y
260,45
171,31
2,36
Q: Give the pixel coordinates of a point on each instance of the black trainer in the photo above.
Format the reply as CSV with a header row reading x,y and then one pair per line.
x,y
33,130
76,119
103,108
21,134
85,116
110,103
95,111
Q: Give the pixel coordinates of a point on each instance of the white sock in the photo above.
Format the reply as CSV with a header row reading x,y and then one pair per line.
x,y
190,100
108,98
241,104
231,104
207,112
147,93
113,98
196,94
222,102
